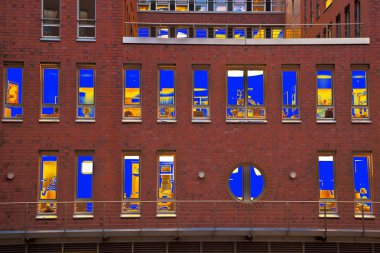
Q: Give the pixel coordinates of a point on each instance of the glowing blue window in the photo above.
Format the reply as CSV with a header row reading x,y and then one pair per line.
x,y
50,79
246,183
166,108
13,93
86,93
131,184
132,94
143,32
182,33
359,98
163,33
201,33
239,33
255,87
201,5
290,107
362,166
326,184
201,107
166,183
220,33
85,167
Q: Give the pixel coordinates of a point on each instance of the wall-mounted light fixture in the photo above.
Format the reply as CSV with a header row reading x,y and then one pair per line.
x,y
10,175
293,175
201,174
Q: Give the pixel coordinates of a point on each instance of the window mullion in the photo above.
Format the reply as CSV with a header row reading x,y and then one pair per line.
x,y
246,183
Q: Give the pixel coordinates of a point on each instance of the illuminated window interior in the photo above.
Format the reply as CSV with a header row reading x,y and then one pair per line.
x,y
144,5
86,93
162,32
132,94
325,105
239,33
277,33
85,169
50,18
326,184
143,32
166,183
86,18
182,33
201,106
181,5
258,5
258,33
239,5
362,166
220,5
50,79
290,106
13,93
131,184
200,32
162,5
246,183
359,95
201,5
245,94
220,33
166,107
47,196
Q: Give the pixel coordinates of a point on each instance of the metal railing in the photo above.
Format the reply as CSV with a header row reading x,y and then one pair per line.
x,y
287,215
212,5
241,31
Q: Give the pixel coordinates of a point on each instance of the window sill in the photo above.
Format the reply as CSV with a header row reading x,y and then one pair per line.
x,y
130,215
55,39
131,120
83,216
291,121
365,216
361,121
86,39
254,121
166,121
329,215
48,120
328,121
166,215
201,121
85,120
46,216
11,120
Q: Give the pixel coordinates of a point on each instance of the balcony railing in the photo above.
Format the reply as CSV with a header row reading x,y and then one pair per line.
x,y
235,6
236,31
283,216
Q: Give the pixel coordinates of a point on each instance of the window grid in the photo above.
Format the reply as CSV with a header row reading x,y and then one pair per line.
x,y
132,103
363,174
84,184
51,20
325,94
201,93
131,184
86,19
50,91
13,90
166,94
86,92
290,94
327,194
166,183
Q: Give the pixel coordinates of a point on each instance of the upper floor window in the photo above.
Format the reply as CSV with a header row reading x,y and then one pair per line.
x,y
132,93
131,185
362,166
347,16
358,18
166,94
359,110
84,182
325,96
51,18
327,197
166,184
47,190
246,183
290,104
86,93
245,94
50,80
13,108
86,19
201,105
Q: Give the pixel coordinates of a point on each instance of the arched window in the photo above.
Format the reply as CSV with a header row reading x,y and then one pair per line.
x,y
246,183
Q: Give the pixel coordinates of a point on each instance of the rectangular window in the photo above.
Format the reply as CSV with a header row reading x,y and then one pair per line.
x,y
84,175
348,20
258,33
181,32
166,94
50,80
201,103
51,22
357,18
245,95
86,93
258,5
325,96
338,27
220,33
220,5
290,104
47,187
201,33
327,197
13,108
143,32
201,5
362,166
131,207
162,5
359,110
277,33
181,5
166,184
239,33
144,5
239,5
86,19
162,32
132,93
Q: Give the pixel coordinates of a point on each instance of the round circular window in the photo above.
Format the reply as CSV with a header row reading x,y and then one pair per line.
x,y
246,183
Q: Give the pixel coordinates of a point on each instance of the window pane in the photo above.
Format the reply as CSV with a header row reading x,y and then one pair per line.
x,y
143,32
85,168
239,5
166,87
166,183
324,87
201,5
235,87
163,33
277,33
220,5
289,87
48,181
236,183
258,33
200,33
51,9
86,9
239,33
361,166
257,183
200,87
326,184
220,33
132,87
255,87
86,87
50,30
14,86
50,86
182,33
359,87
131,183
